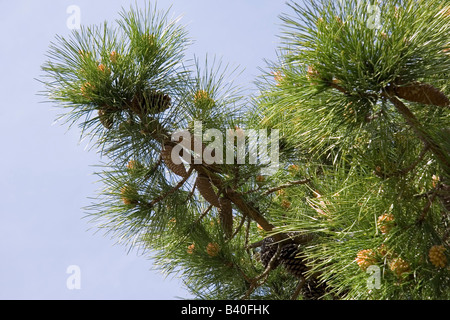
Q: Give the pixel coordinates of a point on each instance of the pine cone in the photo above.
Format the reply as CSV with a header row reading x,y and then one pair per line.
x,y
226,216
133,165
290,259
206,190
203,99
106,118
113,57
313,289
178,169
191,248
157,102
422,93
129,195
150,102
268,250
312,75
295,265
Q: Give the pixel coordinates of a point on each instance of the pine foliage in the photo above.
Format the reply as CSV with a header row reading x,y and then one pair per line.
x,y
363,188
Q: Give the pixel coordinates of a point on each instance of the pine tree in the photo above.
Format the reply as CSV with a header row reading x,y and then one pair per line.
x,y
360,102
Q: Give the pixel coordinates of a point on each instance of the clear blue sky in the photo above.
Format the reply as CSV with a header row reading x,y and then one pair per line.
x,y
47,175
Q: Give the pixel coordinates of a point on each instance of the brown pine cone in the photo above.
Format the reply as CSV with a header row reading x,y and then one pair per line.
x,y
157,102
166,155
422,93
106,118
226,216
290,259
149,102
206,190
313,289
268,250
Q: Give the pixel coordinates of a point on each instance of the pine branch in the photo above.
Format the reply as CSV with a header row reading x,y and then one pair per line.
x,y
247,236
237,198
211,172
390,93
416,126
191,193
154,168
133,89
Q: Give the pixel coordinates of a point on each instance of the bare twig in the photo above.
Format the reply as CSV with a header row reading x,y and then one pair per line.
x,y
286,185
247,232
204,214
298,288
256,282
154,168
428,206
191,193
168,193
238,228
255,244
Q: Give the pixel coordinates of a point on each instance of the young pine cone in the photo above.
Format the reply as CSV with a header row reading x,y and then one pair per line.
x,y
437,256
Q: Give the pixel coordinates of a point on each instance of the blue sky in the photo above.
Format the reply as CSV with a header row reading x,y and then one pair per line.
x,y
47,174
